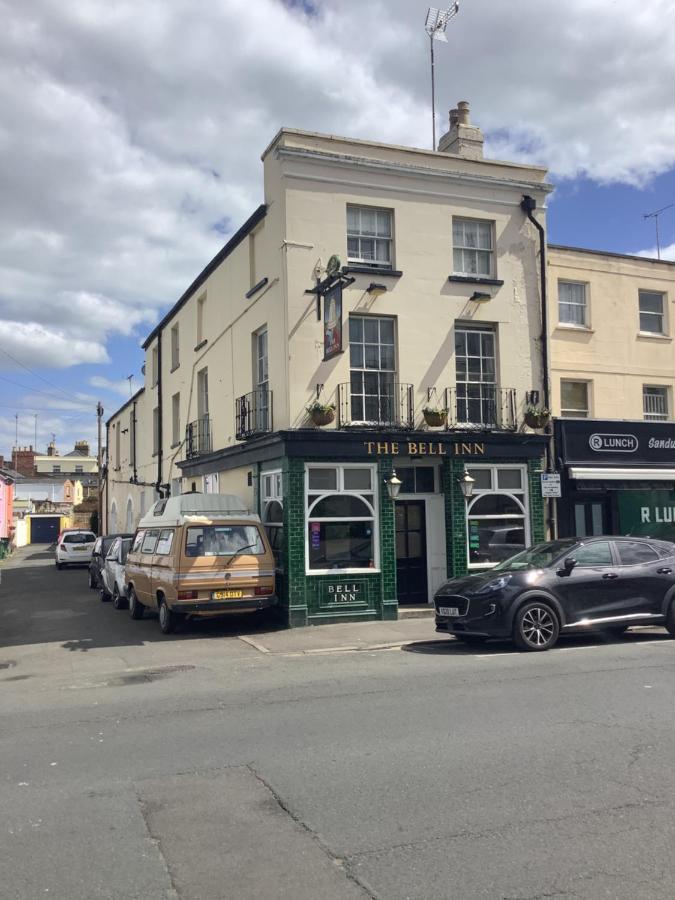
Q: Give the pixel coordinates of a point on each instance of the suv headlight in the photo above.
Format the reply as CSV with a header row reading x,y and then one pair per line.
x,y
497,584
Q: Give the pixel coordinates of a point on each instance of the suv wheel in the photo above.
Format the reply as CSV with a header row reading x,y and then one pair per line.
x,y
136,608
536,626
670,619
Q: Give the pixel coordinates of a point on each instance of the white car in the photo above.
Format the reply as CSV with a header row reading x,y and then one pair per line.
x,y
112,573
75,548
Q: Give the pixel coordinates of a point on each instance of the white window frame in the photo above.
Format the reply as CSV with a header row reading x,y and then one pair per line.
x,y
339,491
661,315
386,378
521,498
175,346
465,248
271,491
662,391
376,264
566,413
155,366
567,323
155,431
175,419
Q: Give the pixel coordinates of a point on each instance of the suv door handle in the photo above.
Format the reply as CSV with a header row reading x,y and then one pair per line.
x,y
664,571
610,576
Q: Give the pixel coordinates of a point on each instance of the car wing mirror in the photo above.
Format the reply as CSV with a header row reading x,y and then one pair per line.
x,y
567,566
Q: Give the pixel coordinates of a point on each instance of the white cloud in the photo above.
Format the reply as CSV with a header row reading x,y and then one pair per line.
x,y
667,252
130,133
120,386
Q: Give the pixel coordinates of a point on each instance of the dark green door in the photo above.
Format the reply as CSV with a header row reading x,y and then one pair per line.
x,y
411,552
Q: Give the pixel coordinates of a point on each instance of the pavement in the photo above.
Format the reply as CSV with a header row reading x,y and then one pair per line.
x,y
373,760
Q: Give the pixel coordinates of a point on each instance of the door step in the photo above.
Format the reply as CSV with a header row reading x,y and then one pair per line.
x,y
423,611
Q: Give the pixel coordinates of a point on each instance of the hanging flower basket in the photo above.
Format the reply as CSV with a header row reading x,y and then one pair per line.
x,y
435,418
537,416
321,413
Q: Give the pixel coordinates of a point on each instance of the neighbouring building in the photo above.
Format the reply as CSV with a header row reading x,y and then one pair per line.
x,y
77,462
6,508
382,284
613,379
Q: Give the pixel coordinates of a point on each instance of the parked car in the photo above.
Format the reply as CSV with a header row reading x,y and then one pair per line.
x,y
606,583
75,548
113,586
199,555
98,556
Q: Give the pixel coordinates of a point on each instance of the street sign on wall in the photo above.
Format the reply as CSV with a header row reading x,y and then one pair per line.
x,y
550,484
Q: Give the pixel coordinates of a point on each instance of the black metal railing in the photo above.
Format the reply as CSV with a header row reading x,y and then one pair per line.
x,y
253,414
198,438
380,404
484,407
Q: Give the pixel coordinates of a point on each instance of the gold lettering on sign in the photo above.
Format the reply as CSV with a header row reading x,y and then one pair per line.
x,y
394,448
468,449
369,446
382,448
412,449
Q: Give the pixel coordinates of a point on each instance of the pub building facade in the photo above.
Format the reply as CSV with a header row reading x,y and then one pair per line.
x,y
618,477
363,344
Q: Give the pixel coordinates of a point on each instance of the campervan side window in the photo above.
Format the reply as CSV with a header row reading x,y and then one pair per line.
x,y
150,542
223,540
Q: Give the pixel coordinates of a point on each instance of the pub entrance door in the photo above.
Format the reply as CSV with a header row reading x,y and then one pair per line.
x,y
411,552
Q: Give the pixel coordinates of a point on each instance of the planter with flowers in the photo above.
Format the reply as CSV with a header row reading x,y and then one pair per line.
x,y
536,416
435,416
321,413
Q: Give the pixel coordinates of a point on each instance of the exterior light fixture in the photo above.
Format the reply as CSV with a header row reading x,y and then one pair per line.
x,y
479,297
394,485
377,289
466,483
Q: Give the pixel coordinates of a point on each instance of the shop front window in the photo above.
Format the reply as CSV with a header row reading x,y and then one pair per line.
x,y
271,496
341,504
497,515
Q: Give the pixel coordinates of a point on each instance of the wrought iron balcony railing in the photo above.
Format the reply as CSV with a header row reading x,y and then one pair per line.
x,y
253,414
371,400
198,438
483,407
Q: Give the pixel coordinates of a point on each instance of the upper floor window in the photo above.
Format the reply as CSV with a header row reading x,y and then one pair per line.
x,y
155,365
476,376
572,303
655,403
574,399
472,247
175,348
79,470
175,420
651,312
372,360
56,469
201,309
369,237
155,430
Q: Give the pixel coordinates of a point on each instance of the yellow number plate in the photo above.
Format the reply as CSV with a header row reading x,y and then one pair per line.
x,y
227,595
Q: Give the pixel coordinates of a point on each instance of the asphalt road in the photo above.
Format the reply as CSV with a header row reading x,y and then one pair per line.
x,y
196,767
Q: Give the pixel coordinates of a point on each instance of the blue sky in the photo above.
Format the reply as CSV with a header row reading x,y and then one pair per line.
x,y
126,162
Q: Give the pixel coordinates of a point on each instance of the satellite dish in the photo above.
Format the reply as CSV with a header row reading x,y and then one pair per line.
x,y
333,265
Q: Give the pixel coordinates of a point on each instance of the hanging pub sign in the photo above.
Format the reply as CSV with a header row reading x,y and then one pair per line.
x,y
332,322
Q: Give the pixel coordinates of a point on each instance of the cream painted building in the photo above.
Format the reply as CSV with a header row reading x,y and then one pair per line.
x,y
375,281
611,322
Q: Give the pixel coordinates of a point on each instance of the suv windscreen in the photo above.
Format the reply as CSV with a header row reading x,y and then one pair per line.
x,y
223,540
538,557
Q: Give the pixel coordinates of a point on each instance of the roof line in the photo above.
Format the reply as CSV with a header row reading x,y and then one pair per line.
x,y
651,259
222,254
124,405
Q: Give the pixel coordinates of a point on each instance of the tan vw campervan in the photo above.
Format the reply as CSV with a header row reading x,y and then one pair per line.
x,y
199,555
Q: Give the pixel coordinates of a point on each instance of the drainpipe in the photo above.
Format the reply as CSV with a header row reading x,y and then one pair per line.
x,y
528,205
107,473
133,446
160,436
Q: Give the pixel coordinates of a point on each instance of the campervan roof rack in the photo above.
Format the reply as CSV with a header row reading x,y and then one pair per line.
x,y
178,509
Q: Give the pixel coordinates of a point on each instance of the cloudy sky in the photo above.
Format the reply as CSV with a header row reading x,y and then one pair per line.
x,y
131,133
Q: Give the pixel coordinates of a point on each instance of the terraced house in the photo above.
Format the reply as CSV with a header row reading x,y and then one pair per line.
x,y
373,328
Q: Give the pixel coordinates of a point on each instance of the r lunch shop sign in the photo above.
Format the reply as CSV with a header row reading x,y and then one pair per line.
x,y
617,443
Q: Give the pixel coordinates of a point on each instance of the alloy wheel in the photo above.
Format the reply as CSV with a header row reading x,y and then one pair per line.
x,y
538,627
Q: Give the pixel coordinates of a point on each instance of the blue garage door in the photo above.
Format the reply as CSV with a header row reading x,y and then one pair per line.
x,y
44,531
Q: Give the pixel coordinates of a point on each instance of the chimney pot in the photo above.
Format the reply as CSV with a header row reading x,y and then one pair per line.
x,y
454,117
463,110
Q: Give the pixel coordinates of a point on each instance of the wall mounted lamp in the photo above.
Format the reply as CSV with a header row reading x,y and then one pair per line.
x,y
480,297
466,483
393,485
377,289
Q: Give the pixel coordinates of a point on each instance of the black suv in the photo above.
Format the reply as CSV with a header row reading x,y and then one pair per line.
x,y
603,583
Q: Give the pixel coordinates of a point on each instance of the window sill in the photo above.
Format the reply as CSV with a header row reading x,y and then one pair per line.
x,y
201,344
475,279
652,336
366,270
568,326
155,453
173,368
174,445
256,287
338,573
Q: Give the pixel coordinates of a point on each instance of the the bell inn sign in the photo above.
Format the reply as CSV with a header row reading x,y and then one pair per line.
x,y
423,448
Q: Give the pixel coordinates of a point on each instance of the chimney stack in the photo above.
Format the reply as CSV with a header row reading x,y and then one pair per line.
x,y
51,449
462,138
82,447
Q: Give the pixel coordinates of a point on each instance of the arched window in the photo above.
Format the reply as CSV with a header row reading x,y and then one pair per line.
x,y
497,520
271,503
341,504
112,523
130,516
